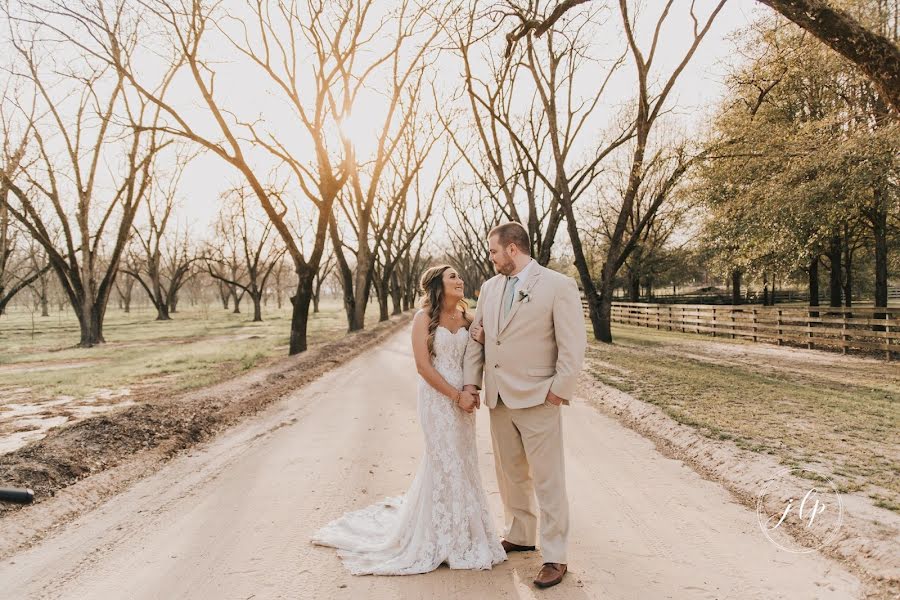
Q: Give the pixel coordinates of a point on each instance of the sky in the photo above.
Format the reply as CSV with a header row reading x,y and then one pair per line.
x,y
250,97
699,88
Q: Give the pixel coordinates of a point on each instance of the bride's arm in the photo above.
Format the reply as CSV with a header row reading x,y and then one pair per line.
x,y
423,358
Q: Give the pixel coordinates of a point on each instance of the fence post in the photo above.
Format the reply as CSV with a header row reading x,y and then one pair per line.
x,y
754,325
844,335
714,322
778,342
809,334
731,311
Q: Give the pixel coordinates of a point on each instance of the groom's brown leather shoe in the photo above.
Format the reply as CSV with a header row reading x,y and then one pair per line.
x,y
510,547
550,575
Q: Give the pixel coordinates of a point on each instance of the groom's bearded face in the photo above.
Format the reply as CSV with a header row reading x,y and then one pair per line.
x,y
503,262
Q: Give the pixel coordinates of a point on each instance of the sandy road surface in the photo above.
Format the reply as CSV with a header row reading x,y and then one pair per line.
x,y
232,519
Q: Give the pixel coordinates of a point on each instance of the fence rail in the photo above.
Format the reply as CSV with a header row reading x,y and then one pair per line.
x,y
860,328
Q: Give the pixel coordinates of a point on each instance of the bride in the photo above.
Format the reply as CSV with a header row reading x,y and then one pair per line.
x,y
444,517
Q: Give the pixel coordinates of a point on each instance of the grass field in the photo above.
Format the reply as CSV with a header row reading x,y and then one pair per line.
x,y
46,381
188,351
821,410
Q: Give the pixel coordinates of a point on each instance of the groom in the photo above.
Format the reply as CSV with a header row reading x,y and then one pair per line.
x,y
532,354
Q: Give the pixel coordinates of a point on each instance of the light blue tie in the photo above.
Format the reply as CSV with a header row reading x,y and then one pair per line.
x,y
510,293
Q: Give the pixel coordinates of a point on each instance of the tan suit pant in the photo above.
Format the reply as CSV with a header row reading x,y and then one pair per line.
x,y
528,455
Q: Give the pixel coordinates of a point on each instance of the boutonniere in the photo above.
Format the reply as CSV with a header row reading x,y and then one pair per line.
x,y
524,296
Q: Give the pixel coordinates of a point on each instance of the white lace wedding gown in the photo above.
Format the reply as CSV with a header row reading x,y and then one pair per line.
x,y
444,516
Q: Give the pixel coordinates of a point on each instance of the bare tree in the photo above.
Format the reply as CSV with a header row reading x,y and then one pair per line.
x,y
368,208
125,285
18,268
410,269
165,264
874,53
412,200
224,291
325,269
40,287
275,47
649,107
513,143
473,216
250,248
59,200
649,255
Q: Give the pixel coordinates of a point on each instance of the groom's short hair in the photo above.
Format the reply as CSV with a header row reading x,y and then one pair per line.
x,y
512,233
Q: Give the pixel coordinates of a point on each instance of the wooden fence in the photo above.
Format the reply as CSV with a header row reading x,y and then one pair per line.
x,y
810,326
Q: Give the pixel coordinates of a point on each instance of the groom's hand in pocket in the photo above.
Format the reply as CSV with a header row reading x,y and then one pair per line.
x,y
554,399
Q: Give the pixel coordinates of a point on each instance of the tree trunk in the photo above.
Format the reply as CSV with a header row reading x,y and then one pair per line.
x,y
224,294
383,311
848,273
736,286
126,297
634,286
315,300
45,303
90,321
813,284
347,288
881,259
257,306
834,280
162,312
603,308
395,293
874,54
350,310
879,232
300,313
237,302
599,301
363,289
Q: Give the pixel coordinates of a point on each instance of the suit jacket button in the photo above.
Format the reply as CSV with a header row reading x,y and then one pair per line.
x,y
496,366
498,342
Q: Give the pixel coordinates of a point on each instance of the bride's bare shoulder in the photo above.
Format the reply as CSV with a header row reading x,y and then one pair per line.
x,y
420,319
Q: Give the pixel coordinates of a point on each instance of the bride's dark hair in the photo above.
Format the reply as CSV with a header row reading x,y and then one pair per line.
x,y
432,287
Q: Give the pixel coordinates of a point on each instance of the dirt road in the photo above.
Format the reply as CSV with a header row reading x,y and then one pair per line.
x,y
232,520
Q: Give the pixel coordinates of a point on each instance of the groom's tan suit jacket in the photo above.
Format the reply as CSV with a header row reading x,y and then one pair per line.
x,y
538,346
